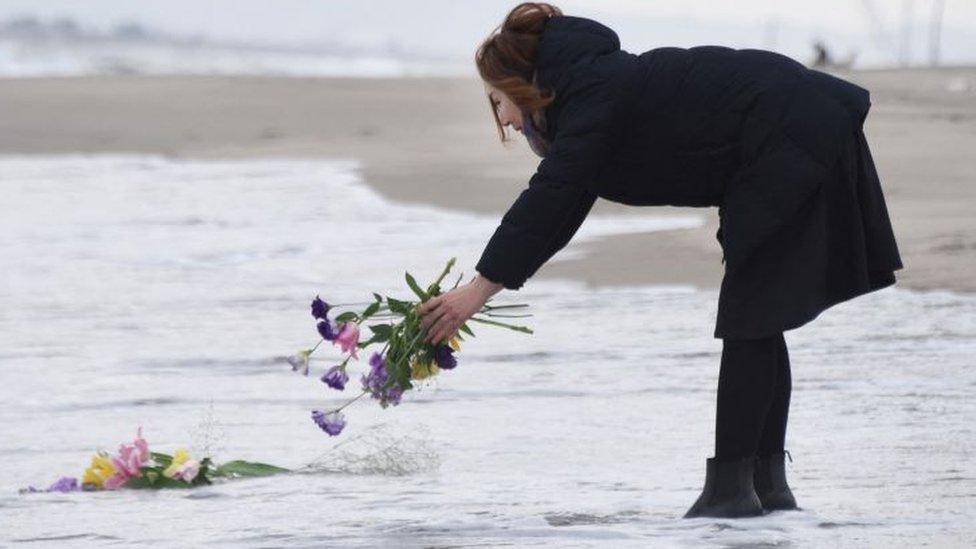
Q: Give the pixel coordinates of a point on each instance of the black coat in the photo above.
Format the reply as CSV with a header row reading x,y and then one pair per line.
x,y
778,147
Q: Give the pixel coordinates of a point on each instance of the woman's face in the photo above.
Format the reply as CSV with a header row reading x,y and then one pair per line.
x,y
508,112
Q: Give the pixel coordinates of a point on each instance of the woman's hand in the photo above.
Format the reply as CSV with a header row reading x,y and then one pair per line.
x,y
443,315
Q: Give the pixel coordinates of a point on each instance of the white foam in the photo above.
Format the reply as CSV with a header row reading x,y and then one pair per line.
x,y
136,290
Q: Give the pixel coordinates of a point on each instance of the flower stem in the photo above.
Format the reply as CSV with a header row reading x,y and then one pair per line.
x,y
406,355
447,269
503,325
351,401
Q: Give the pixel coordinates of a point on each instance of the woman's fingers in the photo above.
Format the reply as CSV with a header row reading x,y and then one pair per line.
x,y
430,318
429,305
442,328
436,315
441,318
434,332
425,308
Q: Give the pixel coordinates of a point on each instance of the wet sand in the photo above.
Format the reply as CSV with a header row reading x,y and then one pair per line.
x,y
432,140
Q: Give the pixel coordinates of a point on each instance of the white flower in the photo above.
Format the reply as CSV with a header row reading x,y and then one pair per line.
x,y
299,361
188,471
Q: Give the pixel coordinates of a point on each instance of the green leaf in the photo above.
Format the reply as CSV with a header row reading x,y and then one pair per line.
x,y
347,316
416,289
370,310
402,376
464,328
397,306
379,298
238,468
162,459
381,333
158,482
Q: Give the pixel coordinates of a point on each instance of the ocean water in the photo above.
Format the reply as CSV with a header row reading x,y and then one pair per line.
x,y
141,290
400,38
23,58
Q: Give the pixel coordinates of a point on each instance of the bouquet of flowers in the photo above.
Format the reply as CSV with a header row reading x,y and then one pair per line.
x,y
136,467
404,357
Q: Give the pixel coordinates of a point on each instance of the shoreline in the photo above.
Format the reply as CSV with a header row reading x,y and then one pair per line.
x,y
431,140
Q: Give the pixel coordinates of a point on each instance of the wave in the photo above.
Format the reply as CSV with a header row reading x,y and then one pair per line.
x,y
31,47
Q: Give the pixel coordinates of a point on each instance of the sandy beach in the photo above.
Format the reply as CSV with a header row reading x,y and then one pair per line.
x,y
432,140
141,292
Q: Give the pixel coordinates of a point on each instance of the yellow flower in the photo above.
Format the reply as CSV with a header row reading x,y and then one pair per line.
x,y
100,469
422,370
455,343
180,457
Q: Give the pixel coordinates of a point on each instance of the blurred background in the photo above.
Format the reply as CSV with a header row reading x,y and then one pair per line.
x,y
180,178
389,37
359,80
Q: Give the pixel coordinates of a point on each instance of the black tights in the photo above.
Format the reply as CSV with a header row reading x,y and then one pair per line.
x,y
754,387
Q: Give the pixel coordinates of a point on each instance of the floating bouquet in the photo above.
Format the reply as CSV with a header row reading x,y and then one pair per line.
x,y
404,356
136,467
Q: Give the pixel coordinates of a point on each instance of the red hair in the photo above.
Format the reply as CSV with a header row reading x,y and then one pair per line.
x,y
506,59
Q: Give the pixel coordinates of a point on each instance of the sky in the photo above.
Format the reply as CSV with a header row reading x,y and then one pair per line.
x,y
453,28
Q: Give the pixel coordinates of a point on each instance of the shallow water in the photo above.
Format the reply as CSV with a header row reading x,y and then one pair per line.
x,y
138,290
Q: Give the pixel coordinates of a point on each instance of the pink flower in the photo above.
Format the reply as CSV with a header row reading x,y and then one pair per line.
x,y
188,471
348,338
115,481
129,462
141,445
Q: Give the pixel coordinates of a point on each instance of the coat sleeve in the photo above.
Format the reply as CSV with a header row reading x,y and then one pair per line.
x,y
546,215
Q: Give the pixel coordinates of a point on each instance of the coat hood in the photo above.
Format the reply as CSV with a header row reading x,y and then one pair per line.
x,y
567,41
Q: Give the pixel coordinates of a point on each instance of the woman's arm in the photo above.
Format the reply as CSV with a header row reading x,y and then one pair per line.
x,y
486,287
546,215
541,222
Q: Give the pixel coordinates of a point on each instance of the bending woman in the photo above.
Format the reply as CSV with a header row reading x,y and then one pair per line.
x,y
777,147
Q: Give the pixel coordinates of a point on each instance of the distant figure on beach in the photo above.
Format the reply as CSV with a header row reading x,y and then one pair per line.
x,y
822,59
778,148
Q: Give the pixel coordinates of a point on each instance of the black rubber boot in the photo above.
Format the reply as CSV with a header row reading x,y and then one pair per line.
x,y
770,483
728,492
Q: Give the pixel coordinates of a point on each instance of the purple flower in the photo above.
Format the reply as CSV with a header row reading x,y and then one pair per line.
x,y
377,362
320,308
377,378
444,356
64,484
393,394
327,330
377,373
331,422
336,377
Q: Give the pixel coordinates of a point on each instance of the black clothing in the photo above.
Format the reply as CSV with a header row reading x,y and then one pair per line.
x,y
754,386
773,438
777,147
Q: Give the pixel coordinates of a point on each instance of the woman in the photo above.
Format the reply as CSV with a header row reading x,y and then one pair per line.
x,y
777,147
